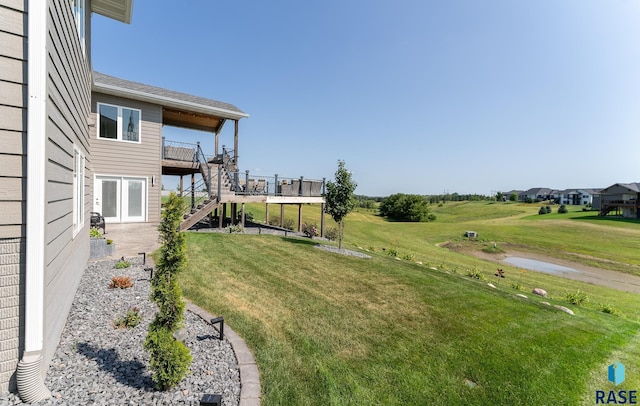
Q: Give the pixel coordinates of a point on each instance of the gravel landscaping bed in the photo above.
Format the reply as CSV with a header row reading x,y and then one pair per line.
x,y
97,364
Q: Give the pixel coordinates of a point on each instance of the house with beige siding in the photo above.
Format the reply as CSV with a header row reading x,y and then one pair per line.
x,y
73,141
130,155
45,176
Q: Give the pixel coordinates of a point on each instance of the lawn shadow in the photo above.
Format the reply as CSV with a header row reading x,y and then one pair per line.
x,y
130,373
607,218
298,240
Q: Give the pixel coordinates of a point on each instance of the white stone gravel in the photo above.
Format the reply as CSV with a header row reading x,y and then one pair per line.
x,y
96,364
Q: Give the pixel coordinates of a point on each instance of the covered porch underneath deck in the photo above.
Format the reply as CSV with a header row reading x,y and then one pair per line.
x,y
232,209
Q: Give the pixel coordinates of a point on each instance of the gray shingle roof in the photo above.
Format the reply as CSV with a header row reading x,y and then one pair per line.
x,y
168,98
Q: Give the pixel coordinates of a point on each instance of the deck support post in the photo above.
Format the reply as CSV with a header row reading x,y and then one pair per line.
x,y
281,215
322,220
323,206
299,217
235,144
242,215
266,214
234,213
224,214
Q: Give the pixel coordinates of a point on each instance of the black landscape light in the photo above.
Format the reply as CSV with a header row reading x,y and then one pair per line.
x,y
220,321
144,257
150,270
211,400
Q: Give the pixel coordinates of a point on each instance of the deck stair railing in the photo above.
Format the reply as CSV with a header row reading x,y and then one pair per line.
x,y
205,168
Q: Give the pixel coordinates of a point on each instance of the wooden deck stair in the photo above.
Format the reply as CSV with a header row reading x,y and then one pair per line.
x,y
198,213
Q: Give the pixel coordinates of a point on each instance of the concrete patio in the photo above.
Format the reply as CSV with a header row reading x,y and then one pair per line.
x,y
133,238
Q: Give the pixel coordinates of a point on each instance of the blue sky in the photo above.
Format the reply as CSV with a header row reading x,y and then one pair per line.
x,y
417,96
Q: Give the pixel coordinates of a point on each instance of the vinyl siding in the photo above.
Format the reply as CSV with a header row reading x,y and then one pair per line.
x,y
110,157
68,107
13,116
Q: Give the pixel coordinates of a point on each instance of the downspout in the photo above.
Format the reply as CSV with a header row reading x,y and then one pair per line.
x,y
30,380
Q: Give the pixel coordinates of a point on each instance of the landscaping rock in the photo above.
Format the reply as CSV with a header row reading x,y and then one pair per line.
x,y
491,285
97,364
546,303
539,292
521,295
564,309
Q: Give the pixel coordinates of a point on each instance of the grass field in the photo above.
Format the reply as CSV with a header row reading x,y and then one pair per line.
x,y
330,329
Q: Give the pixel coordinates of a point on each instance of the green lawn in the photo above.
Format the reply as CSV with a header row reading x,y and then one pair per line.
x,y
330,329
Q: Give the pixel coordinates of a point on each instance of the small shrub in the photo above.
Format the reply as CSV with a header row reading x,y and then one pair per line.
x,y
372,248
289,223
577,298
475,273
310,230
170,358
248,216
235,229
431,217
109,241
542,210
605,308
121,282
562,209
393,252
123,264
274,221
95,233
331,234
517,285
408,257
129,320
548,209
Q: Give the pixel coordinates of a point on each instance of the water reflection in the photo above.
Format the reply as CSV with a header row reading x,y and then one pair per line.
x,y
540,266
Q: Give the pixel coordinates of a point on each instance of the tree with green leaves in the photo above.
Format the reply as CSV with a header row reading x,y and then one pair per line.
x,y
402,207
340,199
169,358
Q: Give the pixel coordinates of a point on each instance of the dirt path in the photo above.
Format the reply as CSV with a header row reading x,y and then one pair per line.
x,y
596,276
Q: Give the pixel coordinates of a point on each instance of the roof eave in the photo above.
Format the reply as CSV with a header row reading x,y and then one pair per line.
x,y
119,10
167,101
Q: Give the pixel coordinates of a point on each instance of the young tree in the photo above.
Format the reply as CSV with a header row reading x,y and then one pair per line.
x,y
169,358
340,199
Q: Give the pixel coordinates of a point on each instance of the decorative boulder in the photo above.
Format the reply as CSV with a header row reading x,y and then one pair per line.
x,y
564,309
539,292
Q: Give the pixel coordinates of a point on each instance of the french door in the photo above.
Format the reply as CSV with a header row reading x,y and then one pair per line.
x,y
121,199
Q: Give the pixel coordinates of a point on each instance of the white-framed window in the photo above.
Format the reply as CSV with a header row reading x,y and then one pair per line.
x,y
79,14
78,190
118,123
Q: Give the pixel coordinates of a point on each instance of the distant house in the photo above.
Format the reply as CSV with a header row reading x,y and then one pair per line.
x,y
621,199
575,196
536,194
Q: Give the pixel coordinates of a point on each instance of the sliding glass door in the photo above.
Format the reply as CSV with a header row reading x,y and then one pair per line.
x,y
121,199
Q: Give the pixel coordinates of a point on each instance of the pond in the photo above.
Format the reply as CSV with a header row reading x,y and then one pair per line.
x,y
540,266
